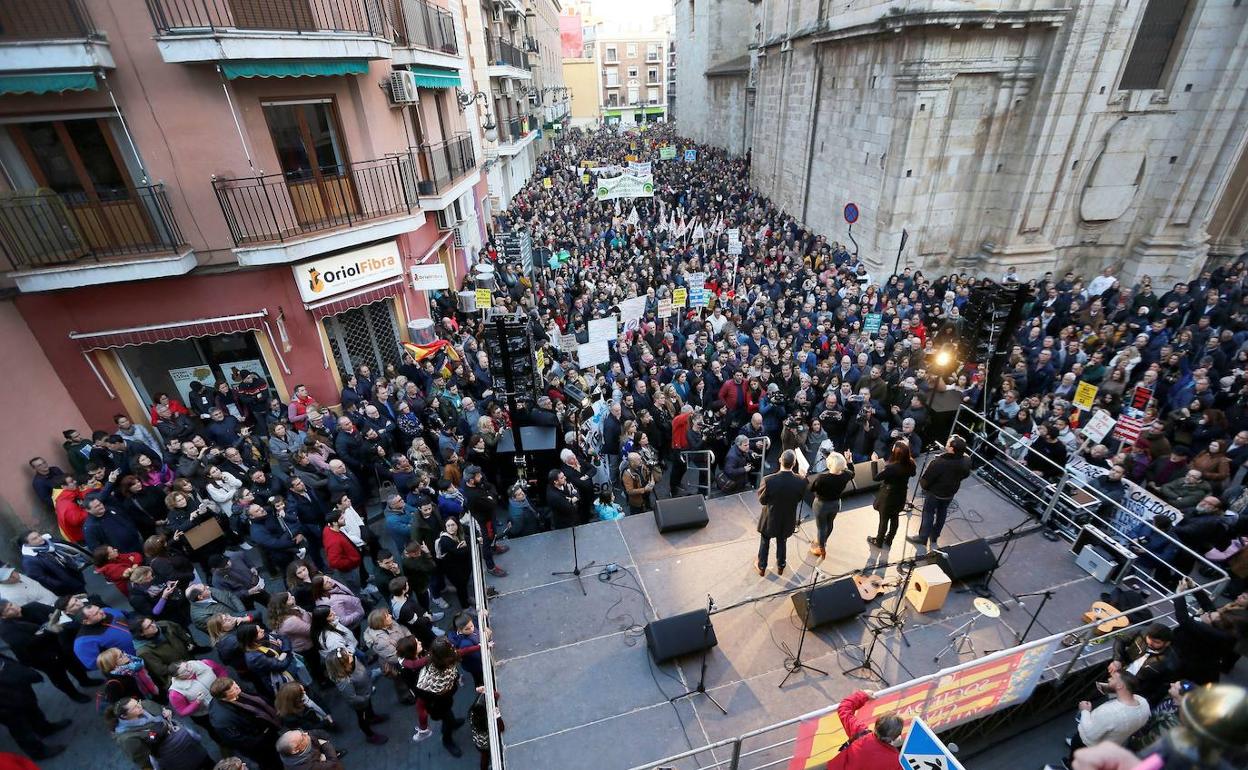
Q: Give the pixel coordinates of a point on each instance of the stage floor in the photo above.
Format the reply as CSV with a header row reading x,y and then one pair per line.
x,y
579,688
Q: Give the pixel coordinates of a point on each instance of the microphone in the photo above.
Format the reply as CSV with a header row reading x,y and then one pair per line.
x,y
937,551
710,601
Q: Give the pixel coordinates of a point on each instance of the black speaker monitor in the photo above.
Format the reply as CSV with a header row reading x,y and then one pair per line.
x,y
675,513
680,635
967,559
829,602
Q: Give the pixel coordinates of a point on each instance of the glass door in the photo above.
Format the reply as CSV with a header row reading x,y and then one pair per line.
x,y
309,148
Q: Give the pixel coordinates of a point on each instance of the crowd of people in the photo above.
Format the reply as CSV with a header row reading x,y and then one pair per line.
x,y
263,558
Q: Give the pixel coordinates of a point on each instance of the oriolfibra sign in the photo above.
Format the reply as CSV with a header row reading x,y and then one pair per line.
x,y
328,276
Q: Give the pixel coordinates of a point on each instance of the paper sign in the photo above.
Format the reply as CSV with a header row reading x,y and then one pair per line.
x,y
803,465
541,360
1085,395
1099,425
430,277
567,342
1140,398
679,297
584,178
872,323
484,298
696,280
1128,429
631,158
632,308
603,329
183,377
691,156
592,354
667,153
665,308
546,183
699,298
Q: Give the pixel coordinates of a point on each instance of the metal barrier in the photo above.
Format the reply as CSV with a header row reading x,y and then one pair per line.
x,y
1088,649
476,543
705,468
442,163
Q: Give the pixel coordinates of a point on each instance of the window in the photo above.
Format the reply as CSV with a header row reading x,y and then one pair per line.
x,y
652,75
613,99
634,93
170,367
632,72
632,50
75,158
613,78
1155,44
652,95
652,52
306,138
612,55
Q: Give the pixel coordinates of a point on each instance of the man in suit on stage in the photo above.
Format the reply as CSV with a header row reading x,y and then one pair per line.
x,y
781,494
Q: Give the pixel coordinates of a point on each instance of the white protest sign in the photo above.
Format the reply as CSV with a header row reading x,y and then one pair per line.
x,y
603,329
1099,425
640,169
567,342
632,308
592,354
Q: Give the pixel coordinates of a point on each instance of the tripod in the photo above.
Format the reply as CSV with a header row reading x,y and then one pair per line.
x,y
797,662
960,636
1047,594
576,566
892,618
701,688
868,656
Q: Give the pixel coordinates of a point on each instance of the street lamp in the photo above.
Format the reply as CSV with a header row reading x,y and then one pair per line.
x,y
465,98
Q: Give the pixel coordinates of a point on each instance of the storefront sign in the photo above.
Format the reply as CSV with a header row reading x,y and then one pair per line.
x,y
430,277
625,186
183,377
233,370
1085,395
328,276
950,698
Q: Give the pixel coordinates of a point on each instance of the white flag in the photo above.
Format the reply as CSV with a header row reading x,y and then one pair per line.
x,y
632,217
672,224
699,233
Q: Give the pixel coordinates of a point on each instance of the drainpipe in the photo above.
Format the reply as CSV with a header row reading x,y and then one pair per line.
x,y
816,88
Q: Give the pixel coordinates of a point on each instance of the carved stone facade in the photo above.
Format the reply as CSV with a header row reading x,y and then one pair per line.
x,y
1010,133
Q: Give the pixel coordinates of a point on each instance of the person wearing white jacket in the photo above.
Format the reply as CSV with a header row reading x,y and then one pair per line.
x,y
221,488
1116,719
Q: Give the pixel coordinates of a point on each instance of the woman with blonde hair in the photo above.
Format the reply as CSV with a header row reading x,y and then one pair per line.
x,y
126,677
382,637
828,488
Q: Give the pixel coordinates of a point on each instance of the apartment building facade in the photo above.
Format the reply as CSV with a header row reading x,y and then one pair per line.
x,y
194,190
633,77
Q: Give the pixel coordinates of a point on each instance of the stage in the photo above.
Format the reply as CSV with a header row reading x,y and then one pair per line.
x,y
578,686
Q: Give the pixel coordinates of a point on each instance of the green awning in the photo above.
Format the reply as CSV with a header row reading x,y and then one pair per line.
x,y
435,77
47,83
293,68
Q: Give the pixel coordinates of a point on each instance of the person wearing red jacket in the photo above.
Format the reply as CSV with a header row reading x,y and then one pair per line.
x,y
735,393
71,515
342,555
868,748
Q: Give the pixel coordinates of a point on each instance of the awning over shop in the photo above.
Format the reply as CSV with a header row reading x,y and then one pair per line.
x,y
358,298
47,82
435,77
176,330
293,68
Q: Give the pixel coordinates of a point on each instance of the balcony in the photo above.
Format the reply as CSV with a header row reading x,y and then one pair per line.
x,y
50,35
424,34
59,241
279,218
507,61
442,168
515,134
227,30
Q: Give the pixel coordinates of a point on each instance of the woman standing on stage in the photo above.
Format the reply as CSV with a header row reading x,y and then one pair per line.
x,y
891,498
828,488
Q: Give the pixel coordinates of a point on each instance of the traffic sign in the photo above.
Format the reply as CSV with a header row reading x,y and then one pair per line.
x,y
924,751
851,212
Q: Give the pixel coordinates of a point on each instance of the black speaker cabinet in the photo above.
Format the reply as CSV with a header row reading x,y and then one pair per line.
x,y
967,559
828,602
675,513
680,635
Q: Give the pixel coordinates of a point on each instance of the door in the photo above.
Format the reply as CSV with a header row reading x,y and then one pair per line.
x,y
365,335
272,14
313,160
80,162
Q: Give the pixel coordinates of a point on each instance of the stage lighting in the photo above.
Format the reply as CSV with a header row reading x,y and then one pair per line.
x,y
943,359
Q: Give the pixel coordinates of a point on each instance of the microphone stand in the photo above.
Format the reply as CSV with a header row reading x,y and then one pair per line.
x,y
701,688
1047,594
801,640
984,589
576,566
893,618
868,663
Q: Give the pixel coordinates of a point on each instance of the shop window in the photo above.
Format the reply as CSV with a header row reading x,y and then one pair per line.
x,y
170,367
365,335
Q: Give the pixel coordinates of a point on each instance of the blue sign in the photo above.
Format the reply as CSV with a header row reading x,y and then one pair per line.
x,y
872,324
691,156
851,212
924,751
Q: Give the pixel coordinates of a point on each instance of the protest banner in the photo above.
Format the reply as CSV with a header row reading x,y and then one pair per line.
x,y
625,186
679,297
665,308
872,323
546,183
640,169
1085,395
1128,429
603,329
667,153
1141,504
592,354
632,308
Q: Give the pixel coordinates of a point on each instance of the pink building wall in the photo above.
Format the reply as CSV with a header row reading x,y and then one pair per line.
x,y
38,409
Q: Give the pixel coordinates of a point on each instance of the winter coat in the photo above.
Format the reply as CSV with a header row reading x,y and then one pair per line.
x,y
162,655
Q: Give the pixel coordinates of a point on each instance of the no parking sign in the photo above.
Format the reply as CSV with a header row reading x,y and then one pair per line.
x,y
851,212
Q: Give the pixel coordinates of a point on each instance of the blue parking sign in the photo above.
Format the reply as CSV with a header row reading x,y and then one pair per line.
x,y
691,156
924,751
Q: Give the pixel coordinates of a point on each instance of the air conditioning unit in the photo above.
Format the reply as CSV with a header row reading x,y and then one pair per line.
x,y
447,219
403,87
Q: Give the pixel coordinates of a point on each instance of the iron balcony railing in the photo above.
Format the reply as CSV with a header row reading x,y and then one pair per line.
x,y
41,228
22,20
281,207
504,54
440,164
531,45
347,16
423,24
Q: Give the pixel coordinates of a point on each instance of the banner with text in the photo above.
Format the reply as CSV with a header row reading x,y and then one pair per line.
x,y
625,186
946,700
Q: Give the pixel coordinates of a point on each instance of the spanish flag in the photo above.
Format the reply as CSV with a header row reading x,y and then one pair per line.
x,y
421,352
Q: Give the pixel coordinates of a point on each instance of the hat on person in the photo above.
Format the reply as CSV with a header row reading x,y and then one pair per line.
x,y
472,470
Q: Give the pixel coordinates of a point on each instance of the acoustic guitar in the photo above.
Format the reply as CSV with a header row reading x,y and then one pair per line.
x,y
1099,612
871,586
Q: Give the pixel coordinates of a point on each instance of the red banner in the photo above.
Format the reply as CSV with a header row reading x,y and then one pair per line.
x,y
949,699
